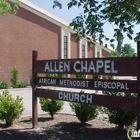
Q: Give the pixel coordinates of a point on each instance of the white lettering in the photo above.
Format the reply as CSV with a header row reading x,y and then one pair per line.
x,y
107,66
75,66
89,99
99,65
82,98
76,97
71,97
83,66
61,66
65,96
110,85
91,67
60,95
47,68
112,68
113,85
126,86
122,86
95,84
66,66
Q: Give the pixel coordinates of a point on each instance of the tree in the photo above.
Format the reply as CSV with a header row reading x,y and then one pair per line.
x,y
123,14
8,8
127,50
115,54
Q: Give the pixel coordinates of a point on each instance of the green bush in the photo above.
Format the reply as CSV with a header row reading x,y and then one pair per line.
x,y
61,75
49,75
10,108
84,112
22,84
81,76
50,105
4,85
121,117
96,76
15,77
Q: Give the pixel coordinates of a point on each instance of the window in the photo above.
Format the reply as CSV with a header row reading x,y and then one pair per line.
x,y
98,54
65,47
83,51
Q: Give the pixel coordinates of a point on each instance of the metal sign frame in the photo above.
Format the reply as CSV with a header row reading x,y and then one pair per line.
x,y
129,66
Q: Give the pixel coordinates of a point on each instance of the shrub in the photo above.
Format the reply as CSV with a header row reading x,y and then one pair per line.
x,y
61,75
96,76
110,77
4,85
50,105
15,77
121,117
10,108
22,84
49,75
81,76
84,112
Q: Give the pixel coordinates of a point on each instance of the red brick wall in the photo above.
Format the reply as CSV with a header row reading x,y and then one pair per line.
x,y
19,36
74,50
105,53
91,51
74,47
90,54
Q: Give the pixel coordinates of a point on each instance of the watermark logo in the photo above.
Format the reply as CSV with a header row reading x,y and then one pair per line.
x,y
132,133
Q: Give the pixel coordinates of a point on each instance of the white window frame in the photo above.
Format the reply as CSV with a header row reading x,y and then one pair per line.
x,y
81,43
65,32
98,49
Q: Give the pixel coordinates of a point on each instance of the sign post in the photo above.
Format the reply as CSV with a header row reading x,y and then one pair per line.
x,y
34,95
138,86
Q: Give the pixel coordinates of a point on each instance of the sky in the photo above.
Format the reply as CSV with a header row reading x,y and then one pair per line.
x,y
68,15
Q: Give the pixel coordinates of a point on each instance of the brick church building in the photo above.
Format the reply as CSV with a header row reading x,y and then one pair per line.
x,y
33,28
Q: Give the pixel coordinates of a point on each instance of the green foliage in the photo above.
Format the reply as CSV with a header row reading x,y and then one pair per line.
x,y
56,75
84,112
120,117
6,7
10,108
81,76
115,54
61,75
49,75
22,84
15,77
50,105
122,14
4,85
110,77
128,51
96,76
